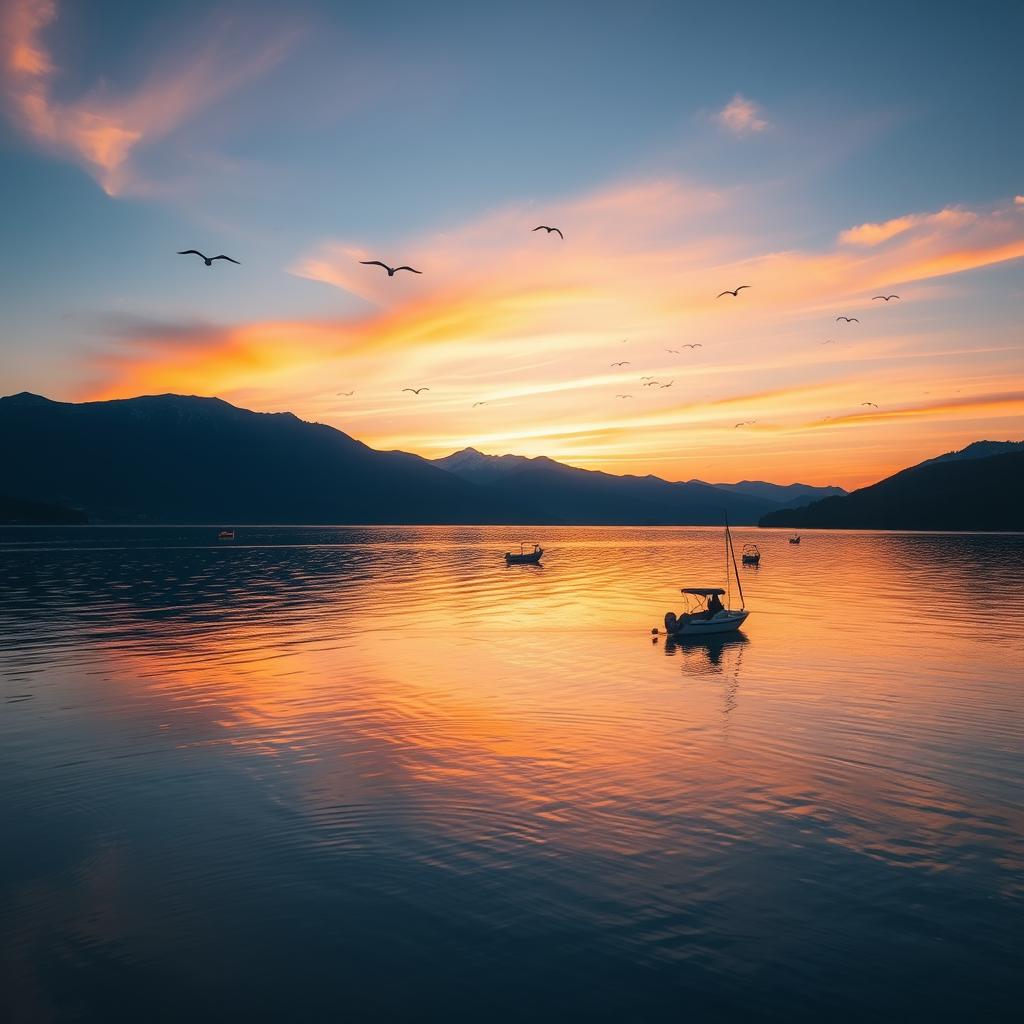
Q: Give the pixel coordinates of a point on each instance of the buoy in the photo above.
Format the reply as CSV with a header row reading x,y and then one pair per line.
x,y
654,632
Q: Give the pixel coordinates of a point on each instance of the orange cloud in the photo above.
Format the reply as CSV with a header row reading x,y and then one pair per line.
x,y
875,234
532,325
741,116
99,131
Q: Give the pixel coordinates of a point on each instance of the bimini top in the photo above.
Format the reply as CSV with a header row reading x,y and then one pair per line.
x,y
702,591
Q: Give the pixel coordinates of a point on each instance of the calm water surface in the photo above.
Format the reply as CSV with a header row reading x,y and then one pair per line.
x,y
373,774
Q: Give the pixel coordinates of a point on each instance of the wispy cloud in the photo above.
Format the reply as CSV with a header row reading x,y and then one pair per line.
x,y
741,116
533,324
875,234
102,131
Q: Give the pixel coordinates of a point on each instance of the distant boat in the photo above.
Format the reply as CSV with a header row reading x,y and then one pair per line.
x,y
795,539
751,555
705,614
524,557
226,535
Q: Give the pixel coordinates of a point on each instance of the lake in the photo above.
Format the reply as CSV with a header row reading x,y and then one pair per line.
x,y
374,774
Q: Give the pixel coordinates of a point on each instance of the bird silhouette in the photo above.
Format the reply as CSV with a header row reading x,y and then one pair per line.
x,y
695,344
647,378
544,227
475,404
744,423
623,396
848,319
391,270
885,298
735,292
208,260
669,384
872,404
625,362
415,391
650,383
347,394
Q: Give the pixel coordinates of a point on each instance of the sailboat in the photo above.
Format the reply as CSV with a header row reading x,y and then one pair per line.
x,y
705,613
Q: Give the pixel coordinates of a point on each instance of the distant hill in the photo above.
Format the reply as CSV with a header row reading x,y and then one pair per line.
x,y
584,496
955,492
785,495
978,450
19,512
172,458
184,459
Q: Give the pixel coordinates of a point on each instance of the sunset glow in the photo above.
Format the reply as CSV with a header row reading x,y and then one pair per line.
x,y
526,322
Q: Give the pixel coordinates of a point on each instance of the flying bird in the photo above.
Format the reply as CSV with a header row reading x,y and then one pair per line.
x,y
695,344
623,396
208,260
872,404
415,391
734,292
391,270
544,227
829,342
650,383
647,378
848,319
475,404
672,351
347,394
625,362
885,298
669,384
744,423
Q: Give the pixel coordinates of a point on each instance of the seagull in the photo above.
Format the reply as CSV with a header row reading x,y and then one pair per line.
x,y
647,378
669,384
391,270
475,404
829,342
623,396
696,344
415,391
650,383
672,351
734,292
625,362
872,404
848,319
885,298
347,394
544,227
744,423
208,260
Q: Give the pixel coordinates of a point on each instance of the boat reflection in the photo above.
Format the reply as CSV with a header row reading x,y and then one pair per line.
x,y
706,653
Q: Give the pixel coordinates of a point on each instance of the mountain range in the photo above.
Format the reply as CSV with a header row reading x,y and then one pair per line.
x,y
980,487
185,459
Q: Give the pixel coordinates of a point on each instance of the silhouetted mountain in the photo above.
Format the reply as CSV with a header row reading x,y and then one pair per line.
x,y
970,493
784,495
19,512
589,497
171,458
978,450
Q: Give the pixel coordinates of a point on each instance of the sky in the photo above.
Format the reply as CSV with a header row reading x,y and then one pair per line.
x,y
821,154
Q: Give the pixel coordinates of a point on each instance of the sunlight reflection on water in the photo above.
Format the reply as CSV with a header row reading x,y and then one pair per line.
x,y
286,770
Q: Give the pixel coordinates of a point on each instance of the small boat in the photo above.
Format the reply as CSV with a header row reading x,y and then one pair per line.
x,y
524,557
751,555
226,535
705,613
795,539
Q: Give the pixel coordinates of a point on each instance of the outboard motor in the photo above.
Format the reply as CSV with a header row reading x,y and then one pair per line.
x,y
670,622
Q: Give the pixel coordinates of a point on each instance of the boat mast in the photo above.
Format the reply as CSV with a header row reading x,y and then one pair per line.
x,y
735,568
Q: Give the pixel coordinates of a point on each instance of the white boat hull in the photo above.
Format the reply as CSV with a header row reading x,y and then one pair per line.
x,y
723,622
